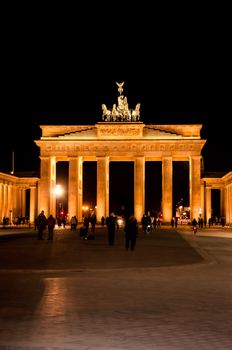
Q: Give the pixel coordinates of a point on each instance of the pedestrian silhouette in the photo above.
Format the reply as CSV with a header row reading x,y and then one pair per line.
x,y
131,232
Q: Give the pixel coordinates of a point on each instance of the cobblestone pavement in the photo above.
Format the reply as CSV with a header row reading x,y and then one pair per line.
x,y
173,292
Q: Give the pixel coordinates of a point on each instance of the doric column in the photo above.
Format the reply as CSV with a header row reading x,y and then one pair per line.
x,y
102,187
139,187
75,189
203,200
10,203
5,199
9,208
228,205
15,201
167,188
19,200
195,186
52,186
32,204
1,202
80,188
47,185
24,202
222,202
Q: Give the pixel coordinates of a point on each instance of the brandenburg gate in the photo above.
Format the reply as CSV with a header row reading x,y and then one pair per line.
x,y
120,136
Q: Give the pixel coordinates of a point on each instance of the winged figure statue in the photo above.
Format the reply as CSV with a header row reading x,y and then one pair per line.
x,y
120,85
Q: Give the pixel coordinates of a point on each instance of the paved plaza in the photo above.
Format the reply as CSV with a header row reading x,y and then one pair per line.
x,y
173,292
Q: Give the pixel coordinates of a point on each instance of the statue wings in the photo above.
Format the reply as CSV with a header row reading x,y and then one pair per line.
x,y
120,85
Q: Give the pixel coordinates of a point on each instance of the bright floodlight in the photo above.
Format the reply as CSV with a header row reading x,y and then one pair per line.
x,y
58,190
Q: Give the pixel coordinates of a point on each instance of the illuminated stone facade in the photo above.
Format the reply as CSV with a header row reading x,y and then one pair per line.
x,y
224,184
13,197
108,142
121,136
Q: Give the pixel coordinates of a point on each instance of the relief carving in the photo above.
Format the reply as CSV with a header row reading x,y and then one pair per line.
x,y
77,148
119,131
59,148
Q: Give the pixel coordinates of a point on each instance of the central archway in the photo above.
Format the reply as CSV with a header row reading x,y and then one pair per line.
x,y
121,191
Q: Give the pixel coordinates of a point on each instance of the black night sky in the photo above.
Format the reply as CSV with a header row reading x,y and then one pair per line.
x,y
59,65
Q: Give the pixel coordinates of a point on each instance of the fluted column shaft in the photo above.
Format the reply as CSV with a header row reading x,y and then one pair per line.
x,y
195,186
24,202
1,202
139,187
5,199
167,188
32,204
228,204
47,185
75,197
102,187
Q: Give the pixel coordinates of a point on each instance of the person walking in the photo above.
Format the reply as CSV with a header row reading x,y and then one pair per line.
x,y
111,225
172,222
73,223
51,221
102,220
194,224
176,222
41,224
93,221
131,232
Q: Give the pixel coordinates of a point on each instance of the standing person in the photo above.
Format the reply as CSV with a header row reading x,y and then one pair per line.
x,y
41,224
194,224
111,223
131,230
93,221
85,228
51,221
73,223
176,222
102,220
172,222
144,222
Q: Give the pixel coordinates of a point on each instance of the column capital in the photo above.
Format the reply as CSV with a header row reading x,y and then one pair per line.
x,y
195,157
167,157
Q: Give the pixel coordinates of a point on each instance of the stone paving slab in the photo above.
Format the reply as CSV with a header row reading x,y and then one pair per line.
x,y
183,304
67,251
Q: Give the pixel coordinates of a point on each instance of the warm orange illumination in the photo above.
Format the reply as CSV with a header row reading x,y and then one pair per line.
x,y
59,190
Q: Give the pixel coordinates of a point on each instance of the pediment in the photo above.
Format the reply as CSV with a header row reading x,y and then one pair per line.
x,y
120,131
151,132
80,134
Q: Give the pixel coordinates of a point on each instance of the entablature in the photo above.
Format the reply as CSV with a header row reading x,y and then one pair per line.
x,y
121,148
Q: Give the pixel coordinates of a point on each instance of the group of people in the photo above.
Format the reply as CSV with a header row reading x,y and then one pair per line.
x,y
150,220
42,223
131,230
84,229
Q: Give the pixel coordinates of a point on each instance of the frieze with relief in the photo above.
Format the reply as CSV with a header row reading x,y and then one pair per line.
x,y
123,131
120,147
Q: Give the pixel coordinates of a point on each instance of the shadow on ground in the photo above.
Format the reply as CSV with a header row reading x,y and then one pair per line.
x,y
164,247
